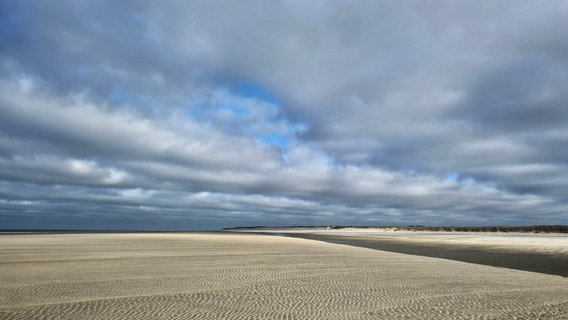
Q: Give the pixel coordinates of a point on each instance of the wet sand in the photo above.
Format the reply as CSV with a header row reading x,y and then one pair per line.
x,y
240,276
554,263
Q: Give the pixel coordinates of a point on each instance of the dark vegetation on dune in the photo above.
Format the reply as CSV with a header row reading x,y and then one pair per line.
x,y
531,229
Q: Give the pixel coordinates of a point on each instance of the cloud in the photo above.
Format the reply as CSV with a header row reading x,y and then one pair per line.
x,y
206,114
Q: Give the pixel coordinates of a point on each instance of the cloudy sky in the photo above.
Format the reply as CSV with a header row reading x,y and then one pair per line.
x,y
209,114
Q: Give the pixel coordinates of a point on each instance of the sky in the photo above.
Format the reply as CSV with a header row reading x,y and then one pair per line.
x,y
196,115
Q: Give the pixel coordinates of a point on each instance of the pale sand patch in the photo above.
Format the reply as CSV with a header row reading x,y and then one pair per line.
x,y
237,276
547,243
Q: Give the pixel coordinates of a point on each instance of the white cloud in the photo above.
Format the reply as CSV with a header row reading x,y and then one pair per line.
x,y
373,104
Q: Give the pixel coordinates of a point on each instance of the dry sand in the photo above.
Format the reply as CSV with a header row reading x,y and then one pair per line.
x,y
238,276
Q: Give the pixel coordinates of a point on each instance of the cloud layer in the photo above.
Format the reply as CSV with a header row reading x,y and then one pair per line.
x,y
200,115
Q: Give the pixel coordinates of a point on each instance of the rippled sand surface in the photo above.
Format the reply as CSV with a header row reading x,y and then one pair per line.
x,y
238,276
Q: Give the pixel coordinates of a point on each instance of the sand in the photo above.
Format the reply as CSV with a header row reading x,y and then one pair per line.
x,y
239,276
545,253
548,243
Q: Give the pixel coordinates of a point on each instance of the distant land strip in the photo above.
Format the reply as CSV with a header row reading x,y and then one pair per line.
x,y
87,231
529,229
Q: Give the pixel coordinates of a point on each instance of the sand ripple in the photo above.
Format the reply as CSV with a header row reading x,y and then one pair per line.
x,y
217,276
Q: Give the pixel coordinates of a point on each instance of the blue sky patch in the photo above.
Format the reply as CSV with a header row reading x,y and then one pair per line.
x,y
254,90
452,177
275,139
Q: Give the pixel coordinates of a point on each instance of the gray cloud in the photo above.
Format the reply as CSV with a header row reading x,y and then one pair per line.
x,y
206,114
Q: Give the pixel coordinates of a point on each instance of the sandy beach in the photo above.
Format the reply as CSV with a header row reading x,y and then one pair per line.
x,y
537,252
242,276
546,243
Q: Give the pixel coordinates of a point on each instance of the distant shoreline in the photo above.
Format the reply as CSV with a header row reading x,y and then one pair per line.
x,y
69,231
506,229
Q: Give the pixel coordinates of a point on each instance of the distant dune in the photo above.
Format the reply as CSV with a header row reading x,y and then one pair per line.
x,y
242,276
531,229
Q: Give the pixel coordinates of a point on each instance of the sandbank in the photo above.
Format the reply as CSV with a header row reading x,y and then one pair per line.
x,y
242,276
537,252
